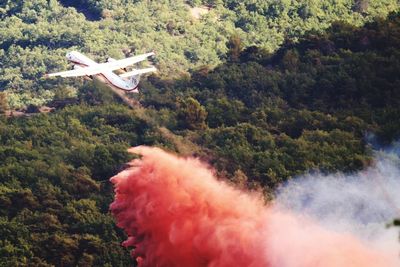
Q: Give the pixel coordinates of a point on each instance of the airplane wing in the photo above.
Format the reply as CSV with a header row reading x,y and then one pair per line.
x,y
122,63
136,72
99,68
72,73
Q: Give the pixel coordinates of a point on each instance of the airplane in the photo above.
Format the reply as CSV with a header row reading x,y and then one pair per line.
x,y
84,66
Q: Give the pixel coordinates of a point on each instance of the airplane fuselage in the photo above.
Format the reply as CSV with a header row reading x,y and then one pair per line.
x,y
106,76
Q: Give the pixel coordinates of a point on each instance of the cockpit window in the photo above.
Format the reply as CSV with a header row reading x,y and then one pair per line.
x,y
70,56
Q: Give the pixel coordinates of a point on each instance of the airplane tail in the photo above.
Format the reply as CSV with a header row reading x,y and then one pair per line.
x,y
134,75
134,80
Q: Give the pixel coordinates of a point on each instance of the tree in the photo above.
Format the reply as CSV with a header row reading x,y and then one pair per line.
x,y
3,103
191,114
235,46
96,93
361,6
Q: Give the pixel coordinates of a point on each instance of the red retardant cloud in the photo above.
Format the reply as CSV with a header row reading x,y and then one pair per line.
x,y
176,213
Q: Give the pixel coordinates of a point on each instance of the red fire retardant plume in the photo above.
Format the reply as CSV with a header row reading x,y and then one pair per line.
x,y
176,213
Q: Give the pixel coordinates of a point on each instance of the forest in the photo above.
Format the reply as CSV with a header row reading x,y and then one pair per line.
x,y
263,91
37,34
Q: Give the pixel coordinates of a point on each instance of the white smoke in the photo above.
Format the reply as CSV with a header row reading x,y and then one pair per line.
x,y
362,203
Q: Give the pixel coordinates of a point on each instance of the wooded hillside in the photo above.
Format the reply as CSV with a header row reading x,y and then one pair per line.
x,y
262,90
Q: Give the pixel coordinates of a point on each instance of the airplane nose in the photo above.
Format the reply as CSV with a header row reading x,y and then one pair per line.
x,y
68,55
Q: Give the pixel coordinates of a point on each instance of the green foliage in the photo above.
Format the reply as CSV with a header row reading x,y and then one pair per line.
x,y
54,191
271,159
36,34
222,111
191,114
96,93
308,106
235,46
267,90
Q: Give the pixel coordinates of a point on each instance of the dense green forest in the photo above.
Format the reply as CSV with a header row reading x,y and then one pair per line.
x,y
262,90
36,34
310,105
54,192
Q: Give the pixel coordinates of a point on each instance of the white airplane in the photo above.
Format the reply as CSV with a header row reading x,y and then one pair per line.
x,y
84,66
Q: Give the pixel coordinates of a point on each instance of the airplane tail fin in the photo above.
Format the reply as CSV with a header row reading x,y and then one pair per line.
x,y
134,75
134,80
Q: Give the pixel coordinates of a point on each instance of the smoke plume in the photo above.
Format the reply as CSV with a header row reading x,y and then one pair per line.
x,y
361,203
176,213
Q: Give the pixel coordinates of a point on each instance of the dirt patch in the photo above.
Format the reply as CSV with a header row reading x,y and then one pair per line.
x,y
24,113
197,12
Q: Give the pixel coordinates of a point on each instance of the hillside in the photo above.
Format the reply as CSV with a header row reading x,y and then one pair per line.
x,y
310,105
261,90
37,34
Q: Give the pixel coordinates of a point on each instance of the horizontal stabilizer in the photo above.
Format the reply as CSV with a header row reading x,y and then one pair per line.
x,y
102,67
136,72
